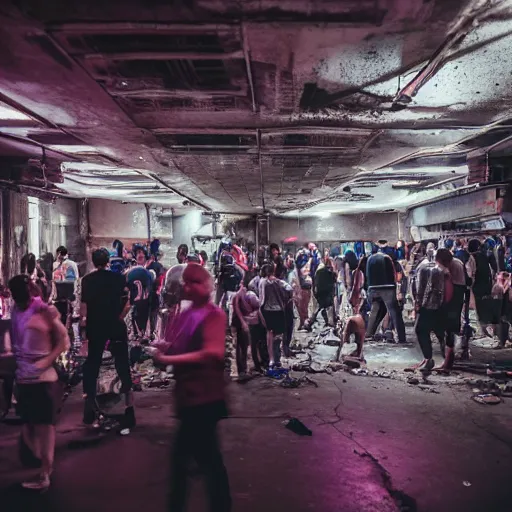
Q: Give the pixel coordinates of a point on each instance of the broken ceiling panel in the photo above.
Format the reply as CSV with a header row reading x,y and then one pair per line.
x,y
256,105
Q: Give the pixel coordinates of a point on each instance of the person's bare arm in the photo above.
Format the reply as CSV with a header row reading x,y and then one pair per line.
x,y
214,328
238,313
59,335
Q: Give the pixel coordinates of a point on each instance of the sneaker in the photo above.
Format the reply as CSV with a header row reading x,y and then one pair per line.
x,y
427,366
41,483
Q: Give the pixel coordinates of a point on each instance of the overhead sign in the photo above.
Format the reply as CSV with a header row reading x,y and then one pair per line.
x,y
481,202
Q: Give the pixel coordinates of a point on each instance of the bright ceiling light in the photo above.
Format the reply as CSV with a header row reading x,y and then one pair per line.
x,y
11,114
74,148
323,215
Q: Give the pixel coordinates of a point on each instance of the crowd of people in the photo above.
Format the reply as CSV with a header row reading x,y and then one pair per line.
x,y
263,296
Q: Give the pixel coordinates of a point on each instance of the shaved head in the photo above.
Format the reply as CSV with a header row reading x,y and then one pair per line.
x,y
197,283
196,272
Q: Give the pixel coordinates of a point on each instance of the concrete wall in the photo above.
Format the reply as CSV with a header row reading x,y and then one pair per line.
x,y
111,220
57,223
369,226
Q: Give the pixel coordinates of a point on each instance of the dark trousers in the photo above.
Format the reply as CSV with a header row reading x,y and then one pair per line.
x,y
259,349
153,313
324,304
140,317
197,439
63,308
242,345
427,321
383,301
119,349
288,334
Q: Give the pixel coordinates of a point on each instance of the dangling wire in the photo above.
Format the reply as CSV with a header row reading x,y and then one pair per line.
x,y
43,167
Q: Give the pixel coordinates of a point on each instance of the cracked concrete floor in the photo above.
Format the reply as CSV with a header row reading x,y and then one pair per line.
x,y
373,439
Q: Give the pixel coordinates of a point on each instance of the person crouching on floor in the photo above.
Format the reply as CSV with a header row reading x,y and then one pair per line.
x,y
38,337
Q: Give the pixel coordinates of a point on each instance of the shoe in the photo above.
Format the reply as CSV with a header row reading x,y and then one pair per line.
x,y
41,483
89,412
129,421
427,366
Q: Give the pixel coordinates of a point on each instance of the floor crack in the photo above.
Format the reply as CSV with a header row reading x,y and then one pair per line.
x,y
404,502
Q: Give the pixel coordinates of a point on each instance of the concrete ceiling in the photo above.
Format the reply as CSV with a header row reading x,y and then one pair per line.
x,y
279,106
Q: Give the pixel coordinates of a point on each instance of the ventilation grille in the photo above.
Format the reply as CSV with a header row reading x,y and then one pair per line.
x,y
118,43
344,141
211,141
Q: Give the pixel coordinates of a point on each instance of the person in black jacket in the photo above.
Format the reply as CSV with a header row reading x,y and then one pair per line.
x,y
381,275
324,287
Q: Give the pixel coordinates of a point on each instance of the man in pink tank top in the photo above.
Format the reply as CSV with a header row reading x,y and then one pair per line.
x,y
195,346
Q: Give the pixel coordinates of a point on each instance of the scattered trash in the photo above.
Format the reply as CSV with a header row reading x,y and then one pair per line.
x,y
466,483
359,371
487,399
277,373
298,427
292,382
413,380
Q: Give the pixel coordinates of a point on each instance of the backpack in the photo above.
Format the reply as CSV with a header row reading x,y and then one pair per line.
x,y
230,275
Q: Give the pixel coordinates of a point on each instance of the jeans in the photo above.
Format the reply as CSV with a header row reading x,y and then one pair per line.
x,y
197,439
119,349
382,301
430,320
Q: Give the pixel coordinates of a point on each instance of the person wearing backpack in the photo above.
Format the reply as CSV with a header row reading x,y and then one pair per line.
x,y
38,337
274,297
231,276
434,294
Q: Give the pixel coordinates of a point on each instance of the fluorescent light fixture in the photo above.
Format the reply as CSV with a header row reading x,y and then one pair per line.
x,y
11,114
74,148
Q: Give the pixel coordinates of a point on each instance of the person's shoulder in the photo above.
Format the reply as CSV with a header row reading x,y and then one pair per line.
x,y
216,313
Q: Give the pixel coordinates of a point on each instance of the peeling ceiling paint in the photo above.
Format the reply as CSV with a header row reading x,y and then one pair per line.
x,y
294,109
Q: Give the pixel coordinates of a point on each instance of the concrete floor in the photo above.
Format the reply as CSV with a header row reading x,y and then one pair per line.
x,y
378,445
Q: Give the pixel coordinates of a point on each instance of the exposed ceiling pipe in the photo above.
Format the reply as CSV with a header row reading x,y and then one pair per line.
x,y
247,57
463,26
262,189
172,189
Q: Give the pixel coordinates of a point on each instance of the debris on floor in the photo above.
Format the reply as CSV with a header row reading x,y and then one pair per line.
x,y
296,426
487,399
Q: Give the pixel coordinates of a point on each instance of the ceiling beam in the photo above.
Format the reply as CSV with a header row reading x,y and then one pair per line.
x,y
158,94
127,56
139,28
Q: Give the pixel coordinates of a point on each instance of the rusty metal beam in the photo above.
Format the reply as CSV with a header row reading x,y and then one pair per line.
x,y
139,27
157,94
260,163
127,56
463,26
247,57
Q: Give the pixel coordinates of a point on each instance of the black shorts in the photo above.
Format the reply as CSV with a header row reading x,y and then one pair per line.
x,y
39,403
275,321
